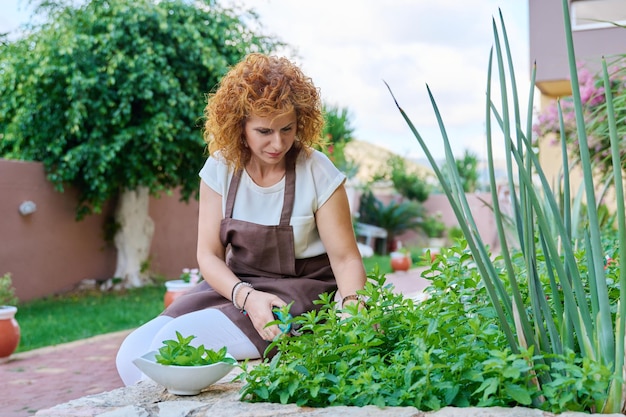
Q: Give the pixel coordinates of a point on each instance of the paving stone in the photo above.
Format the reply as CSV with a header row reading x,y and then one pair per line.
x,y
148,399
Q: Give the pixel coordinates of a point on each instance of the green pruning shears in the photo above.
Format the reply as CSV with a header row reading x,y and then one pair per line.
x,y
284,327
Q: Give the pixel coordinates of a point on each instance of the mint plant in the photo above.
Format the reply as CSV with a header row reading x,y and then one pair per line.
x,y
179,352
447,350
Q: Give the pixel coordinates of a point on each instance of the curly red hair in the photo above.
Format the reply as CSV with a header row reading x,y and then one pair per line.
x,y
261,85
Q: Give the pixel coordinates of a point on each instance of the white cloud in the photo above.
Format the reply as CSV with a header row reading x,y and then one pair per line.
x,y
349,47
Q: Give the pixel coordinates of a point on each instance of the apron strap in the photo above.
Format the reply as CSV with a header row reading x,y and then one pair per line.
x,y
232,192
290,188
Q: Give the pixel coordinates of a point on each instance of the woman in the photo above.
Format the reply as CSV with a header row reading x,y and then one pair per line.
x,y
274,221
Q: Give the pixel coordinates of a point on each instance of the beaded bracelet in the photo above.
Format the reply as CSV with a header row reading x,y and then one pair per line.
x,y
232,292
245,300
350,297
236,290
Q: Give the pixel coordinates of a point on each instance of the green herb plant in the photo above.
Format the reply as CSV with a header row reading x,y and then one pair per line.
x,y
447,350
180,353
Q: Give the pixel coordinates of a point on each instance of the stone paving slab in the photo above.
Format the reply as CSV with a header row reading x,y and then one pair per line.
x,y
42,378
147,399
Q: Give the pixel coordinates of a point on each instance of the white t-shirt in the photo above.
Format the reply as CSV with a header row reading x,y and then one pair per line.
x,y
316,180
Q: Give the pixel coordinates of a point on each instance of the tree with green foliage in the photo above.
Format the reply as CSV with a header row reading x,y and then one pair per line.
x,y
109,96
406,182
338,133
338,127
396,217
468,171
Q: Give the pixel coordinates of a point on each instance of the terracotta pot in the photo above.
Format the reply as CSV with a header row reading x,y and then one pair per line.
x,y
400,261
175,289
9,332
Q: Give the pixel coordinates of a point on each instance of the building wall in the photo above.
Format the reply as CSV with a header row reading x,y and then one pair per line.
x,y
480,206
49,252
548,49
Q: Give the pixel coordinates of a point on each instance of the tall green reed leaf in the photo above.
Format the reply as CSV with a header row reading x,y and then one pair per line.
x,y
578,318
604,324
474,241
616,401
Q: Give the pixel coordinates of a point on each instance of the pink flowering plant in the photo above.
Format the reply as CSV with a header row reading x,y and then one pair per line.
x,y
191,275
593,101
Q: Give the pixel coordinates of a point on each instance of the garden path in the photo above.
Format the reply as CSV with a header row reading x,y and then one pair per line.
x,y
42,378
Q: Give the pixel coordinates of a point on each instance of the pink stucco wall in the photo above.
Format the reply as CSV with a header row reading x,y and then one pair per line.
x,y
48,251
481,212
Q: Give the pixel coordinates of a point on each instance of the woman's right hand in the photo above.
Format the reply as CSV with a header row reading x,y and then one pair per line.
x,y
259,307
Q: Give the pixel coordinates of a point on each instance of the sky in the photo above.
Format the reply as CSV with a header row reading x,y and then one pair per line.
x,y
350,48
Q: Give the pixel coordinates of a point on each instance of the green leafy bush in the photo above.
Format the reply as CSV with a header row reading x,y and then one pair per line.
x,y
7,291
448,350
409,184
468,171
406,181
120,85
395,217
433,226
338,133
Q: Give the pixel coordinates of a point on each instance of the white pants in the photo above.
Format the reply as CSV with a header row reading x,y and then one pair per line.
x,y
210,326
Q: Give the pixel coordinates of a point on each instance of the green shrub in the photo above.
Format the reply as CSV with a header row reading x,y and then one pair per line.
x,y
448,350
7,291
395,217
433,226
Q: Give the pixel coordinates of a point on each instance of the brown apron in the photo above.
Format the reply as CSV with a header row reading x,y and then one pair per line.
x,y
265,257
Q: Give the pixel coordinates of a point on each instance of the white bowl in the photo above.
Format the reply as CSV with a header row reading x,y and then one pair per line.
x,y
182,380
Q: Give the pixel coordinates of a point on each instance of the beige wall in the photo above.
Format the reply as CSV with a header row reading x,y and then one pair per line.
x,y
49,252
548,49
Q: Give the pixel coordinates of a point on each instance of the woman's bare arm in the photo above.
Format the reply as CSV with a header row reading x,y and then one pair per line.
x,y
334,223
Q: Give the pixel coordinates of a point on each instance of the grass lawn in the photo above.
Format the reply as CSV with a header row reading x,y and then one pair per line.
x,y
65,318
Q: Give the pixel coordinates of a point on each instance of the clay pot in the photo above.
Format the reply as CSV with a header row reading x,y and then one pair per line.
x,y
175,289
9,332
400,261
